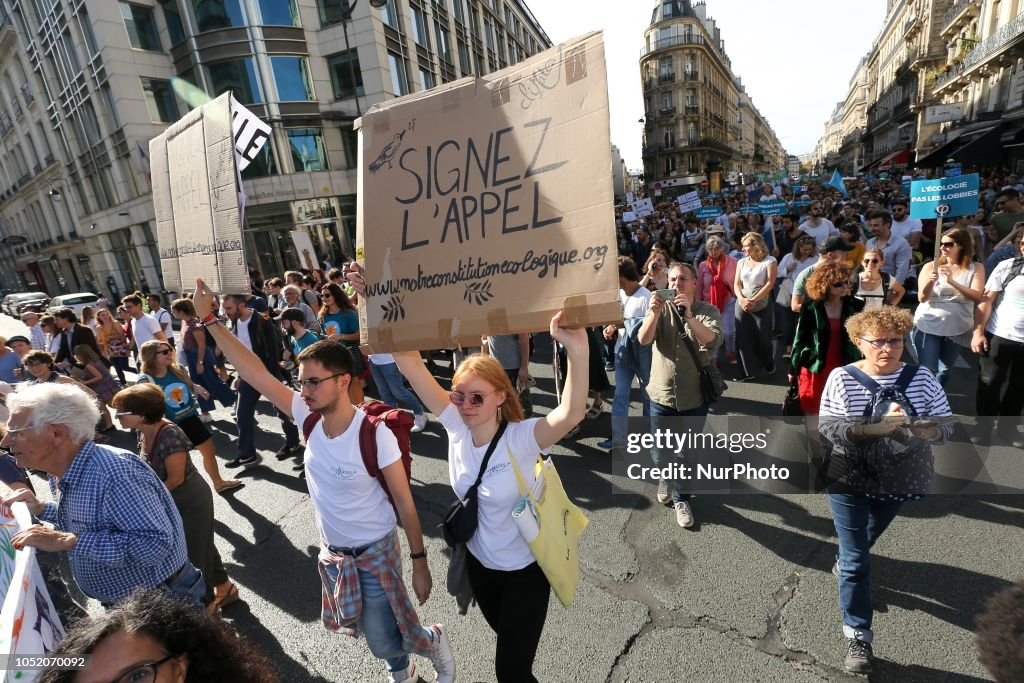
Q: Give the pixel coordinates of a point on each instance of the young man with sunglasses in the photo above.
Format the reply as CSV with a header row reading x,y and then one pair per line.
x,y
817,226
359,539
903,225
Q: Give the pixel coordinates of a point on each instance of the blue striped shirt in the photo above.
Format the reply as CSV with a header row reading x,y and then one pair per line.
x,y
129,531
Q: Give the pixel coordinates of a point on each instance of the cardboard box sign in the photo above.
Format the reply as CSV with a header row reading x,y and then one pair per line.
x,y
196,201
485,206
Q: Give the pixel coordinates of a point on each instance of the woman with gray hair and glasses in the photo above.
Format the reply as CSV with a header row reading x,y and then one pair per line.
x,y
715,275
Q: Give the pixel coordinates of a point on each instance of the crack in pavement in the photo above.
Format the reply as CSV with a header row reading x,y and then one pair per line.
x,y
659,616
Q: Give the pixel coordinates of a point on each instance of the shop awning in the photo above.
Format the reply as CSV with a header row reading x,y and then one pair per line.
x,y
979,148
898,158
870,165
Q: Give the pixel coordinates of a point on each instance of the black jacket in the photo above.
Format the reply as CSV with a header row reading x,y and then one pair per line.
x,y
266,342
80,334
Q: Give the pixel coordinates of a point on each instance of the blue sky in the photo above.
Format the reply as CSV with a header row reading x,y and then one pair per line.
x,y
796,57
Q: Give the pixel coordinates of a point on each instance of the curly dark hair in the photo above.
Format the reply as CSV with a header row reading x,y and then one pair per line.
x,y
215,652
1000,637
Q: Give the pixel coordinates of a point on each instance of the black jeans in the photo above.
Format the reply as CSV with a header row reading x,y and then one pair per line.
x,y
515,605
1000,379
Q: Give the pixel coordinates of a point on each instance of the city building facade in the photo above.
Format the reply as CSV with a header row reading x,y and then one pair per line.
x,y
696,109
103,75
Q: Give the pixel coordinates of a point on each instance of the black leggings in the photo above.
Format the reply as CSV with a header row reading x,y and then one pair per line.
x,y
515,605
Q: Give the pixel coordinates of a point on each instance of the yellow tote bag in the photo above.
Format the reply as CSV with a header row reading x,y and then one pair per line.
x,y
560,524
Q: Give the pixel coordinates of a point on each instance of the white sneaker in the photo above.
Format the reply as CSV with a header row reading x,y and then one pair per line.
x,y
442,659
206,417
684,514
419,423
406,675
664,494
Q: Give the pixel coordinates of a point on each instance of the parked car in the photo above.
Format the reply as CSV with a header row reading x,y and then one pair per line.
x,y
26,300
76,302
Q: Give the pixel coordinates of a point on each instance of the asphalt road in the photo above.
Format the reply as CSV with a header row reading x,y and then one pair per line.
x,y
747,595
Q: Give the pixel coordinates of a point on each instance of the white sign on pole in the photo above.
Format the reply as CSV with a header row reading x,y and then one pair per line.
x,y
643,207
689,201
941,113
304,248
628,217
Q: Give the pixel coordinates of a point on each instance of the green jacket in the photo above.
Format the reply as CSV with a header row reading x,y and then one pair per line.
x,y
812,335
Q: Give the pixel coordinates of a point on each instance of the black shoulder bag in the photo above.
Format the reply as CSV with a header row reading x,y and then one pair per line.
x,y
712,385
461,520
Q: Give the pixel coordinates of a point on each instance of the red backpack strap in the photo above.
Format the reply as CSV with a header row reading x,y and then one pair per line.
x,y
368,444
309,424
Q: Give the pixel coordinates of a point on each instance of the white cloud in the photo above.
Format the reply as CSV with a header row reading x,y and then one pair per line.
x,y
795,57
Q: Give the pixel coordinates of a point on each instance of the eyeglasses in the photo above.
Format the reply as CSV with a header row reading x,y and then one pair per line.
x,y
144,673
314,382
475,398
120,415
15,432
947,245
869,261
894,343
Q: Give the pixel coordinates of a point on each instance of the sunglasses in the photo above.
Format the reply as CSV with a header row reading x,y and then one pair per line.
x,y
120,415
947,245
164,352
475,398
871,260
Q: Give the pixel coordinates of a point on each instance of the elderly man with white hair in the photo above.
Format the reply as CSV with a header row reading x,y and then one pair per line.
x,y
291,295
40,340
114,516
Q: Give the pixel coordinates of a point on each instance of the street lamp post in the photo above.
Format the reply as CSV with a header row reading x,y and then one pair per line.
x,y
347,9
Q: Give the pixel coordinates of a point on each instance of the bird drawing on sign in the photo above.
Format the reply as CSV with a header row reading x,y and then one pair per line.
x,y
388,153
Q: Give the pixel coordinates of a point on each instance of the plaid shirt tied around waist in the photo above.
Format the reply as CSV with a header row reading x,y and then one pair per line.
x,y
342,602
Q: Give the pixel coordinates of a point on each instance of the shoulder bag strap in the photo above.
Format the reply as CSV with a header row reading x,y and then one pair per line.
x,y
691,348
487,457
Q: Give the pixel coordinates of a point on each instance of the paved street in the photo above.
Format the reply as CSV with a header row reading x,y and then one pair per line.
x,y
745,596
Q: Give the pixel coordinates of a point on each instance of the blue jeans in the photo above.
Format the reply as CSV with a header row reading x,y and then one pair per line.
x,y
209,380
188,585
378,623
245,418
1000,254
936,353
627,366
859,521
662,458
392,389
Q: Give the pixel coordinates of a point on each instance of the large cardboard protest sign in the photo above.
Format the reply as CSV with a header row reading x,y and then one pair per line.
x,y
485,206
29,623
196,200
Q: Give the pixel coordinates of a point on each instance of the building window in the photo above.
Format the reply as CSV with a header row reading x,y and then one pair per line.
x,y
419,27
291,74
279,13
238,76
160,100
464,63
350,141
331,11
87,33
389,15
308,151
444,49
141,27
175,29
343,67
399,79
458,11
214,14
426,79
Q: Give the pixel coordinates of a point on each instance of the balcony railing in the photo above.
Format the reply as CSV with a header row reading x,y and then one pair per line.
x,y
902,108
686,39
649,83
667,112
667,146
691,75
692,109
955,10
995,43
667,77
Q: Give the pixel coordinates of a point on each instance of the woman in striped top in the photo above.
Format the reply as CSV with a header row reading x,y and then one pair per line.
x,y
863,499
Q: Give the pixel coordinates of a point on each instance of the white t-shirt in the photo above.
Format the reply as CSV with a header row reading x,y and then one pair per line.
x,y
164,318
144,329
820,233
497,542
382,358
351,507
242,331
633,306
1007,319
905,228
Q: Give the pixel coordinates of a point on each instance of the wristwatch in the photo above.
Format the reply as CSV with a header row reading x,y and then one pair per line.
x,y
419,555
